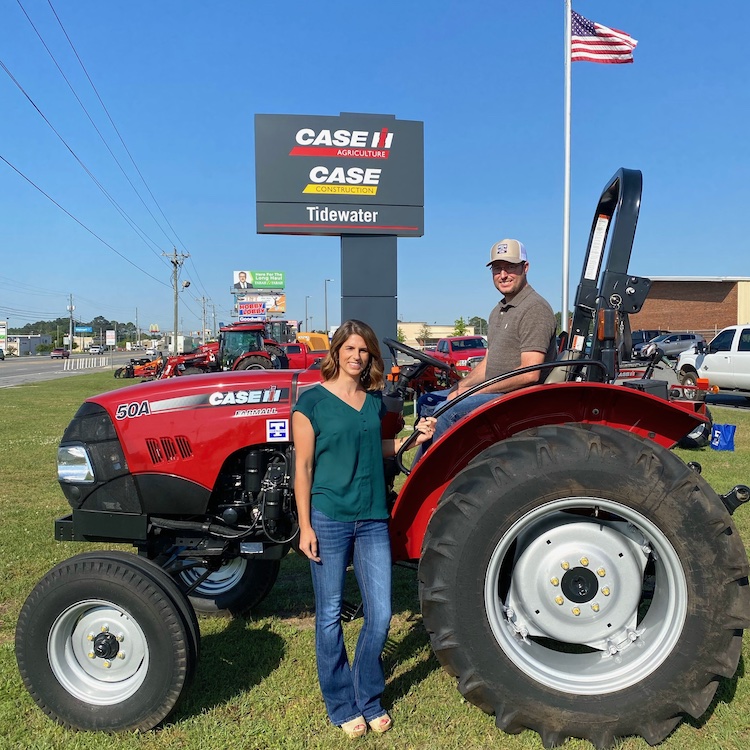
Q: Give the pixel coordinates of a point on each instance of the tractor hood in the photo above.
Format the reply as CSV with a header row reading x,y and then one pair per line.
x,y
187,426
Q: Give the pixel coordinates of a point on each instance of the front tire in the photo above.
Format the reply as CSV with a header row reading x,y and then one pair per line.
x,y
688,380
582,582
102,646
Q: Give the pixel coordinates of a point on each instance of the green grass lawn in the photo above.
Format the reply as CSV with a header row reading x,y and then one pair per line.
x,y
256,683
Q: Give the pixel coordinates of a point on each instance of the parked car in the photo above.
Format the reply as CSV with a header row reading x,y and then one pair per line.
x,y
60,353
2,354
672,344
644,335
463,352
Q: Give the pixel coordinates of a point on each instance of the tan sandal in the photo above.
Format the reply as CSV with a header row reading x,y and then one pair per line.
x,y
381,724
354,728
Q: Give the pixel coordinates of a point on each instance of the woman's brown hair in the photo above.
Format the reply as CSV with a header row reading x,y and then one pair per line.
x,y
372,376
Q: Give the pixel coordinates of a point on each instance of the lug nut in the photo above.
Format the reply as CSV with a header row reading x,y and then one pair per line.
x,y
105,628
565,565
601,572
559,600
90,637
595,607
584,561
121,655
120,637
606,591
576,611
107,664
554,581
91,655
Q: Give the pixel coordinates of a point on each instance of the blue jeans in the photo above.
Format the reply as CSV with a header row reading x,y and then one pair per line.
x,y
428,403
351,691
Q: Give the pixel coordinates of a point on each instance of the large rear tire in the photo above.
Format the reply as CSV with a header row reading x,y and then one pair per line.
x,y
255,363
101,645
582,582
236,587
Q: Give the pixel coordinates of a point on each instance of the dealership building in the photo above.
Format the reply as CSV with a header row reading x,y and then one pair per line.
x,y
701,304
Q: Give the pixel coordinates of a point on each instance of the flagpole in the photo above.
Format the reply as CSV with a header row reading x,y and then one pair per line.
x,y
566,189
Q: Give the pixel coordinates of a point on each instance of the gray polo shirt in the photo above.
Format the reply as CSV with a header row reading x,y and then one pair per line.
x,y
527,324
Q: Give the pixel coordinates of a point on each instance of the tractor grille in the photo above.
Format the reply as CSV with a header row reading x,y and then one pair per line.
x,y
168,449
474,361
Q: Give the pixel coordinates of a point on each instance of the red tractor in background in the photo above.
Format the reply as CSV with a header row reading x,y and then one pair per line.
x,y
575,575
241,346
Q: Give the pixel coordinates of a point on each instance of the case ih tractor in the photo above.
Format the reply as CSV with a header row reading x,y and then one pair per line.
x,y
241,346
575,576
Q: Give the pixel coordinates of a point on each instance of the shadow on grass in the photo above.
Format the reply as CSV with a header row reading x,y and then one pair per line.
x,y
292,595
231,662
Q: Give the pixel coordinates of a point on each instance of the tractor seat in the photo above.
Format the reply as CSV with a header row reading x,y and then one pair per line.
x,y
563,374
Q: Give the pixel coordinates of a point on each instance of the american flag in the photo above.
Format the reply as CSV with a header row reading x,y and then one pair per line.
x,y
593,42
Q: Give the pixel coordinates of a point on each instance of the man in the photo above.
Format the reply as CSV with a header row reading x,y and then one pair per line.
x,y
242,282
521,333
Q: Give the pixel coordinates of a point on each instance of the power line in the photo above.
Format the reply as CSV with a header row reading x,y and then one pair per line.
x,y
121,211
83,107
80,223
115,128
127,151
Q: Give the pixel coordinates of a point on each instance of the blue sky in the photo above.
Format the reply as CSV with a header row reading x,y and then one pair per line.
x,y
183,79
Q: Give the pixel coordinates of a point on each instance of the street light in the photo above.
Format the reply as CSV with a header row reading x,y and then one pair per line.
x,y
325,292
307,297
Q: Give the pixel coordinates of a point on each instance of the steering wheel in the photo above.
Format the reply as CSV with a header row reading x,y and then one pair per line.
x,y
416,354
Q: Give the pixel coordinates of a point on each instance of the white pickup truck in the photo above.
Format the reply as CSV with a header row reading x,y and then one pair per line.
x,y
725,361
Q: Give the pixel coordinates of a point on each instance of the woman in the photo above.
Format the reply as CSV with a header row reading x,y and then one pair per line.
x,y
339,487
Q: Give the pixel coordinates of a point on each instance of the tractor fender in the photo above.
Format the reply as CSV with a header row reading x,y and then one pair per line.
x,y
615,406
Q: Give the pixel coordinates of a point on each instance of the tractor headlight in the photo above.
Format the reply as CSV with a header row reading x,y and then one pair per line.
x,y
74,464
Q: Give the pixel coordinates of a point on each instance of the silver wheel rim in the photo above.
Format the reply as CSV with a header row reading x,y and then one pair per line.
x,y
98,652
219,582
543,637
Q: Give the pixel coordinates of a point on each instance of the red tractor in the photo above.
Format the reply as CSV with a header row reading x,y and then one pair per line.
x,y
241,346
575,576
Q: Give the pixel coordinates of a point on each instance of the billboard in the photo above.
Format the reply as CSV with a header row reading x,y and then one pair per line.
x,y
261,304
244,280
351,174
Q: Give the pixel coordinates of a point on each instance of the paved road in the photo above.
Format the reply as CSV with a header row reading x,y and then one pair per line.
x,y
21,370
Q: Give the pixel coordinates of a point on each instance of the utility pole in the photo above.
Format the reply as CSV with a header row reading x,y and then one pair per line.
x,y
203,324
176,259
71,307
214,331
325,292
137,329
